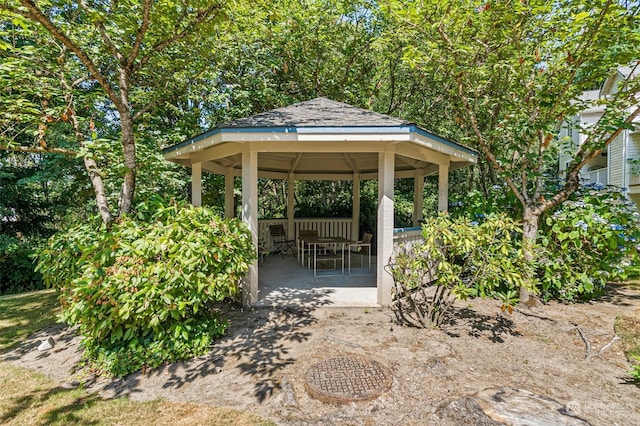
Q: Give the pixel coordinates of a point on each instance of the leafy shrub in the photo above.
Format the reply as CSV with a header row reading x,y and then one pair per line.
x,y
458,259
17,266
139,291
476,204
586,243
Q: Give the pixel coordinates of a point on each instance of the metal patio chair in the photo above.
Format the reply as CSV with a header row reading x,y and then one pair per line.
x,y
362,248
280,241
303,244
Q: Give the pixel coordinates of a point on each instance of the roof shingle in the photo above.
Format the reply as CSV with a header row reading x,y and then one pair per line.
x,y
319,112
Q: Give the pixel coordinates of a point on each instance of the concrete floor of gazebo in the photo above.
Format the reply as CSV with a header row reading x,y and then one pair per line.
x,y
284,282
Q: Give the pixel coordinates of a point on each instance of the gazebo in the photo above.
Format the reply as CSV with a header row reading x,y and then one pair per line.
x,y
322,139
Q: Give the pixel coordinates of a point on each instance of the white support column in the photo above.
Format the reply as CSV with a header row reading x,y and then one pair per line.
x,y
291,186
418,196
355,212
443,187
228,194
250,218
196,184
385,225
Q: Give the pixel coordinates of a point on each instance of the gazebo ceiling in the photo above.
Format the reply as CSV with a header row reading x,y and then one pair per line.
x,y
317,139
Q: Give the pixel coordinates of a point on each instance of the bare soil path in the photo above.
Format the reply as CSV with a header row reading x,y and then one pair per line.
x,y
565,354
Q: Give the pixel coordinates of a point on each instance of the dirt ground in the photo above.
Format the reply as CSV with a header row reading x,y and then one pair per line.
x,y
564,354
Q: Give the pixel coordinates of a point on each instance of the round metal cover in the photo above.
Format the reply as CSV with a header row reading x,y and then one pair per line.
x,y
347,379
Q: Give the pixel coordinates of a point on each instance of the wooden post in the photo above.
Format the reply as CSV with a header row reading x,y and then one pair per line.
x,y
443,187
229,194
418,196
196,184
291,186
250,218
355,212
386,173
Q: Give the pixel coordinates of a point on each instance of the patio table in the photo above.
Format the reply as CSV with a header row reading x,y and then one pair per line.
x,y
336,255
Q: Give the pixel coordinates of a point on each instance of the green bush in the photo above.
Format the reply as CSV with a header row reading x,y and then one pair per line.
x,y
17,266
458,259
139,292
587,242
476,204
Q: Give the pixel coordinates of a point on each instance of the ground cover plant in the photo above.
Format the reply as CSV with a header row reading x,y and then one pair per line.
x,y
140,291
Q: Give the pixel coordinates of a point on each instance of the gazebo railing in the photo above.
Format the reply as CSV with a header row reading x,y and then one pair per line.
x,y
333,227
406,237
326,227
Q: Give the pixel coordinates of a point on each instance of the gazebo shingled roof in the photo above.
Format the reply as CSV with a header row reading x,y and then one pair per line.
x,y
317,121
319,112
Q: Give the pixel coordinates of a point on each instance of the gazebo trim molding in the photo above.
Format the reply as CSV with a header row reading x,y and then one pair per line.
x,y
324,130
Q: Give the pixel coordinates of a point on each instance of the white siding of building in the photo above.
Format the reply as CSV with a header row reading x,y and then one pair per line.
x,y
633,150
617,161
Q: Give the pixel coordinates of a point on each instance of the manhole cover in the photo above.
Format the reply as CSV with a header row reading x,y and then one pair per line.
x,y
347,379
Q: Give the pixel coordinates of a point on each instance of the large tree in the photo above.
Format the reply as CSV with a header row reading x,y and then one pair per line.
x,y
514,71
108,62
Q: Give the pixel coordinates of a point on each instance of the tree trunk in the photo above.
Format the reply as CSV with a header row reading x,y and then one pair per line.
x,y
129,151
94,172
98,187
128,142
531,218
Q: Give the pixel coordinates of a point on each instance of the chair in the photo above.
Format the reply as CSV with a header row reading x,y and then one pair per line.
x,y
334,256
362,247
279,239
303,245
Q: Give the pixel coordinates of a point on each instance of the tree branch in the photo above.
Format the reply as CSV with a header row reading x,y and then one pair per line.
x,y
578,58
199,18
105,37
90,163
481,142
135,49
37,150
572,179
34,13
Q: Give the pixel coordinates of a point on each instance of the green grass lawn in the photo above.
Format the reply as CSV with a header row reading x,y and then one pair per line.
x,y
23,314
29,398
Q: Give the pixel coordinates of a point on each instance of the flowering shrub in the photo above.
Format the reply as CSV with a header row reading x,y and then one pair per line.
x,y
587,242
139,292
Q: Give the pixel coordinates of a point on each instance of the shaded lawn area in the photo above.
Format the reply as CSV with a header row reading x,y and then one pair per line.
x,y
26,313
30,398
